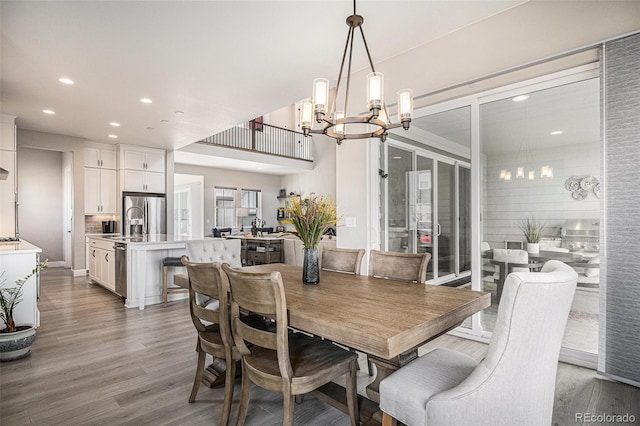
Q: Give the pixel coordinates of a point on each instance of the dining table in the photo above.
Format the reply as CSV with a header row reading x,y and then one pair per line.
x,y
384,318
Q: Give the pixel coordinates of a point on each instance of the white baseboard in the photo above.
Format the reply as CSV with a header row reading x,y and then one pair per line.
x,y
79,272
56,264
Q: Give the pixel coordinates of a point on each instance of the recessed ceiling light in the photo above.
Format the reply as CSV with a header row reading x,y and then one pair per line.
x,y
48,111
114,124
557,132
146,100
520,98
397,158
65,80
164,121
179,112
113,136
149,128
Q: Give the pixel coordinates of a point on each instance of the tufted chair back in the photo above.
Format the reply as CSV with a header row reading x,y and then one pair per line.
x,y
215,250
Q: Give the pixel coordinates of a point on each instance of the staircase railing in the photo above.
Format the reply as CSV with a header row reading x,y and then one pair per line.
x,y
265,138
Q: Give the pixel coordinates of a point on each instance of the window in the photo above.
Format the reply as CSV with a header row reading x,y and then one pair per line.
x,y
225,204
251,199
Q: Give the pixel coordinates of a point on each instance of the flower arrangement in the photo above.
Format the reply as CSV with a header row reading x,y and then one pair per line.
x,y
10,297
532,229
311,217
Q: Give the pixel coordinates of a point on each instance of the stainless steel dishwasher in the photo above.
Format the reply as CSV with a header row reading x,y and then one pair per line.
x,y
121,269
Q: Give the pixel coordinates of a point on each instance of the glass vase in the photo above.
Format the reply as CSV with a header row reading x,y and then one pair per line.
x,y
310,267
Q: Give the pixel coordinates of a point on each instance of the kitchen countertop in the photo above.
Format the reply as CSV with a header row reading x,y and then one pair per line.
x,y
145,239
21,246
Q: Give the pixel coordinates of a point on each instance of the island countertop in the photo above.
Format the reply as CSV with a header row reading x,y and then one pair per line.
x,y
147,239
21,246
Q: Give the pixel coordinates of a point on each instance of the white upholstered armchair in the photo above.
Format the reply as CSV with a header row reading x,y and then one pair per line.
x,y
514,384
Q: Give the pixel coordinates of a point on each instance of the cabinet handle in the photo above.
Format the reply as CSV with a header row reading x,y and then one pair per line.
x,y
93,254
106,257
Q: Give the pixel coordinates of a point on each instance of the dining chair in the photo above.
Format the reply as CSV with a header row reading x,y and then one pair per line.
x,y
289,363
399,266
507,261
213,325
514,384
342,260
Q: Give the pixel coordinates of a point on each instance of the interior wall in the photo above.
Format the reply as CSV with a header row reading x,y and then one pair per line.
x,y
268,184
50,141
507,203
322,179
40,190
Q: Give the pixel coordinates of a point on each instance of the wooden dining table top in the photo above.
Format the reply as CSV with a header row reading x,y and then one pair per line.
x,y
381,317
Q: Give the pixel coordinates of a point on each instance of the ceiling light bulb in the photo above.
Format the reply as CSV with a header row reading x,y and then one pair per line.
x,y
532,175
113,136
520,98
520,173
48,111
557,132
114,124
146,100
65,80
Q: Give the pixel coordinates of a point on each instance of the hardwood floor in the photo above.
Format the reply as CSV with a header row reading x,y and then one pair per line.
x,y
96,363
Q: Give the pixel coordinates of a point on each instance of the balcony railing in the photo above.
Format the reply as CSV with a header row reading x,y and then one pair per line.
x,y
265,138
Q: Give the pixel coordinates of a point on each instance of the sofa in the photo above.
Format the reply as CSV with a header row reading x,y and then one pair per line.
x,y
294,252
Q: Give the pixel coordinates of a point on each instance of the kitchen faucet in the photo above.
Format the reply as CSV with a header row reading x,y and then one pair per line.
x,y
144,231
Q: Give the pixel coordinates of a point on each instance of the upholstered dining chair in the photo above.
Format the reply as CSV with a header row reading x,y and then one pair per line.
x,y
514,384
507,261
213,325
342,260
289,363
399,266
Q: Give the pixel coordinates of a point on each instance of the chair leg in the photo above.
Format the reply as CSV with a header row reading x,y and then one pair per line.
x,y
352,394
229,384
244,398
287,411
199,370
165,285
387,420
369,366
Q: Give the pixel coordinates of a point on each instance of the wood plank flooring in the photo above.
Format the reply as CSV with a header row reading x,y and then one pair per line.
x,y
96,363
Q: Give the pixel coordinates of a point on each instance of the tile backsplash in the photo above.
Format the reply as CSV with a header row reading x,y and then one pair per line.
x,y
93,223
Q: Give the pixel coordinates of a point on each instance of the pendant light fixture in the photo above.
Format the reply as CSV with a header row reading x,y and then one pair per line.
x,y
335,123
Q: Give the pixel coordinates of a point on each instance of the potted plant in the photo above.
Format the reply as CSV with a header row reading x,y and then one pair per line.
x,y
532,230
15,340
311,217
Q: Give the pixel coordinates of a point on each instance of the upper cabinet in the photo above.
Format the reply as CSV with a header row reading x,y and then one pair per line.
x,y
142,169
101,158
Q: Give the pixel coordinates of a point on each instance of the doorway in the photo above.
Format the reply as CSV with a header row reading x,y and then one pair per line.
x,y
189,206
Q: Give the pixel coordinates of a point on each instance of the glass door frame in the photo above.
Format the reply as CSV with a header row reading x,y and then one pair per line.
x,y
474,101
436,158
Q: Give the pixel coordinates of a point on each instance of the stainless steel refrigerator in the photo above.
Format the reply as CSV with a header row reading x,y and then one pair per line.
x,y
143,213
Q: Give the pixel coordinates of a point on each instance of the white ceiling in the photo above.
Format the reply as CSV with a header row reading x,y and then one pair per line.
x,y
221,62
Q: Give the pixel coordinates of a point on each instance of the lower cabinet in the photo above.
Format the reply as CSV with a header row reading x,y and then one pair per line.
x,y
102,265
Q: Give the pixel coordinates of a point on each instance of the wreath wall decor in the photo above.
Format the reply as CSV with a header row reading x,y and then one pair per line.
x,y
581,186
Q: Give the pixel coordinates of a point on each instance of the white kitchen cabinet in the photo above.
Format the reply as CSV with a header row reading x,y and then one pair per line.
x,y
17,261
102,267
142,169
101,158
99,191
138,181
145,159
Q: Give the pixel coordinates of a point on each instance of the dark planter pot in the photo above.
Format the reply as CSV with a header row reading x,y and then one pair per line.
x,y
16,345
310,267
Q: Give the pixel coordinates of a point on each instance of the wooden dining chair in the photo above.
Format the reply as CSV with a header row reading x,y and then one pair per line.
x,y
212,324
399,266
507,261
342,260
289,363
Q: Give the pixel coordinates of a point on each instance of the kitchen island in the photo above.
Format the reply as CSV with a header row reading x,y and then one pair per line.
x,y
144,275
17,260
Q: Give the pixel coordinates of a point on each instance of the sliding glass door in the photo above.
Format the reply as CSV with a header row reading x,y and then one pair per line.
x,y
423,203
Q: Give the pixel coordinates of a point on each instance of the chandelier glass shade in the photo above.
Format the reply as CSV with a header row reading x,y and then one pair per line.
x,y
335,122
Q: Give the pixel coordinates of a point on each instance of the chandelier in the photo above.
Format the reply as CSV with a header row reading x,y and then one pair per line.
x,y
335,123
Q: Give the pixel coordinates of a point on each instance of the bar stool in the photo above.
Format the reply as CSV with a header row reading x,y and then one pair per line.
x,y
168,262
